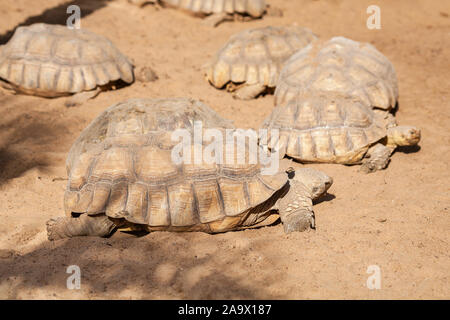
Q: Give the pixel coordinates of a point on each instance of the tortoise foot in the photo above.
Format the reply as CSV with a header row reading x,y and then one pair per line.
x,y
55,228
298,222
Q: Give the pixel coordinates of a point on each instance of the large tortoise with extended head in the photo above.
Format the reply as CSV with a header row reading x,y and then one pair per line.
x,y
250,62
341,65
122,174
334,128
52,61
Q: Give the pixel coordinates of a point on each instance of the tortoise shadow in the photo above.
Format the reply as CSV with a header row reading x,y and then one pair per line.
x,y
325,198
57,15
14,164
394,110
116,266
27,138
408,149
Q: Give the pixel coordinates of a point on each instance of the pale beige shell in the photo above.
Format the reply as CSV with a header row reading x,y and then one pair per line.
x,y
254,8
340,65
326,127
256,56
53,60
122,165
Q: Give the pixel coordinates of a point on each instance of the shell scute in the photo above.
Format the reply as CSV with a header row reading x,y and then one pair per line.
x,y
183,209
209,200
158,207
113,165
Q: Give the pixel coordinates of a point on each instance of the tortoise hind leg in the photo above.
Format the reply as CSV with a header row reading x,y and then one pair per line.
x,y
4,85
81,97
215,19
248,92
85,225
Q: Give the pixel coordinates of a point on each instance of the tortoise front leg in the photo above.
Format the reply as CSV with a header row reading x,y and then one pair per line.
x,y
299,220
84,225
377,158
296,209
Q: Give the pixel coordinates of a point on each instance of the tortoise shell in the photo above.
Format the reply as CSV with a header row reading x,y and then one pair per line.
x,y
256,56
254,8
341,65
327,127
122,165
53,60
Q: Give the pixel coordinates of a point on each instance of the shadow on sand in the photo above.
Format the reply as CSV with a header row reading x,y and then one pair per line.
x,y
57,15
169,268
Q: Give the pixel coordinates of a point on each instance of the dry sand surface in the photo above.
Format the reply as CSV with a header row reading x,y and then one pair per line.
x,y
397,218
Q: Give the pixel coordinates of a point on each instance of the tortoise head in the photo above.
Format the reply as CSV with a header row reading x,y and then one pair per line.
x,y
316,182
403,136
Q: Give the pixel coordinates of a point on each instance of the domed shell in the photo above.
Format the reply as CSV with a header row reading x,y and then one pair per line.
x,y
326,127
340,65
53,60
256,56
123,165
254,8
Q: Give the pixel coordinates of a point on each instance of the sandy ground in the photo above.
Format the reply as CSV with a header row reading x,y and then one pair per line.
x,y
397,219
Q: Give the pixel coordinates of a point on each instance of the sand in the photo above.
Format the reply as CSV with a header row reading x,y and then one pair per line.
x,y
396,219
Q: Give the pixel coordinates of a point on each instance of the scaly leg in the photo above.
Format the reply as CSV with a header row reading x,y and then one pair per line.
x,y
82,97
84,225
377,158
296,205
4,85
216,19
296,209
248,92
142,3
299,220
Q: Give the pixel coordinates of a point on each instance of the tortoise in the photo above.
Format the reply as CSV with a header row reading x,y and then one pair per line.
x,y
342,65
250,62
334,128
215,11
122,175
52,61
